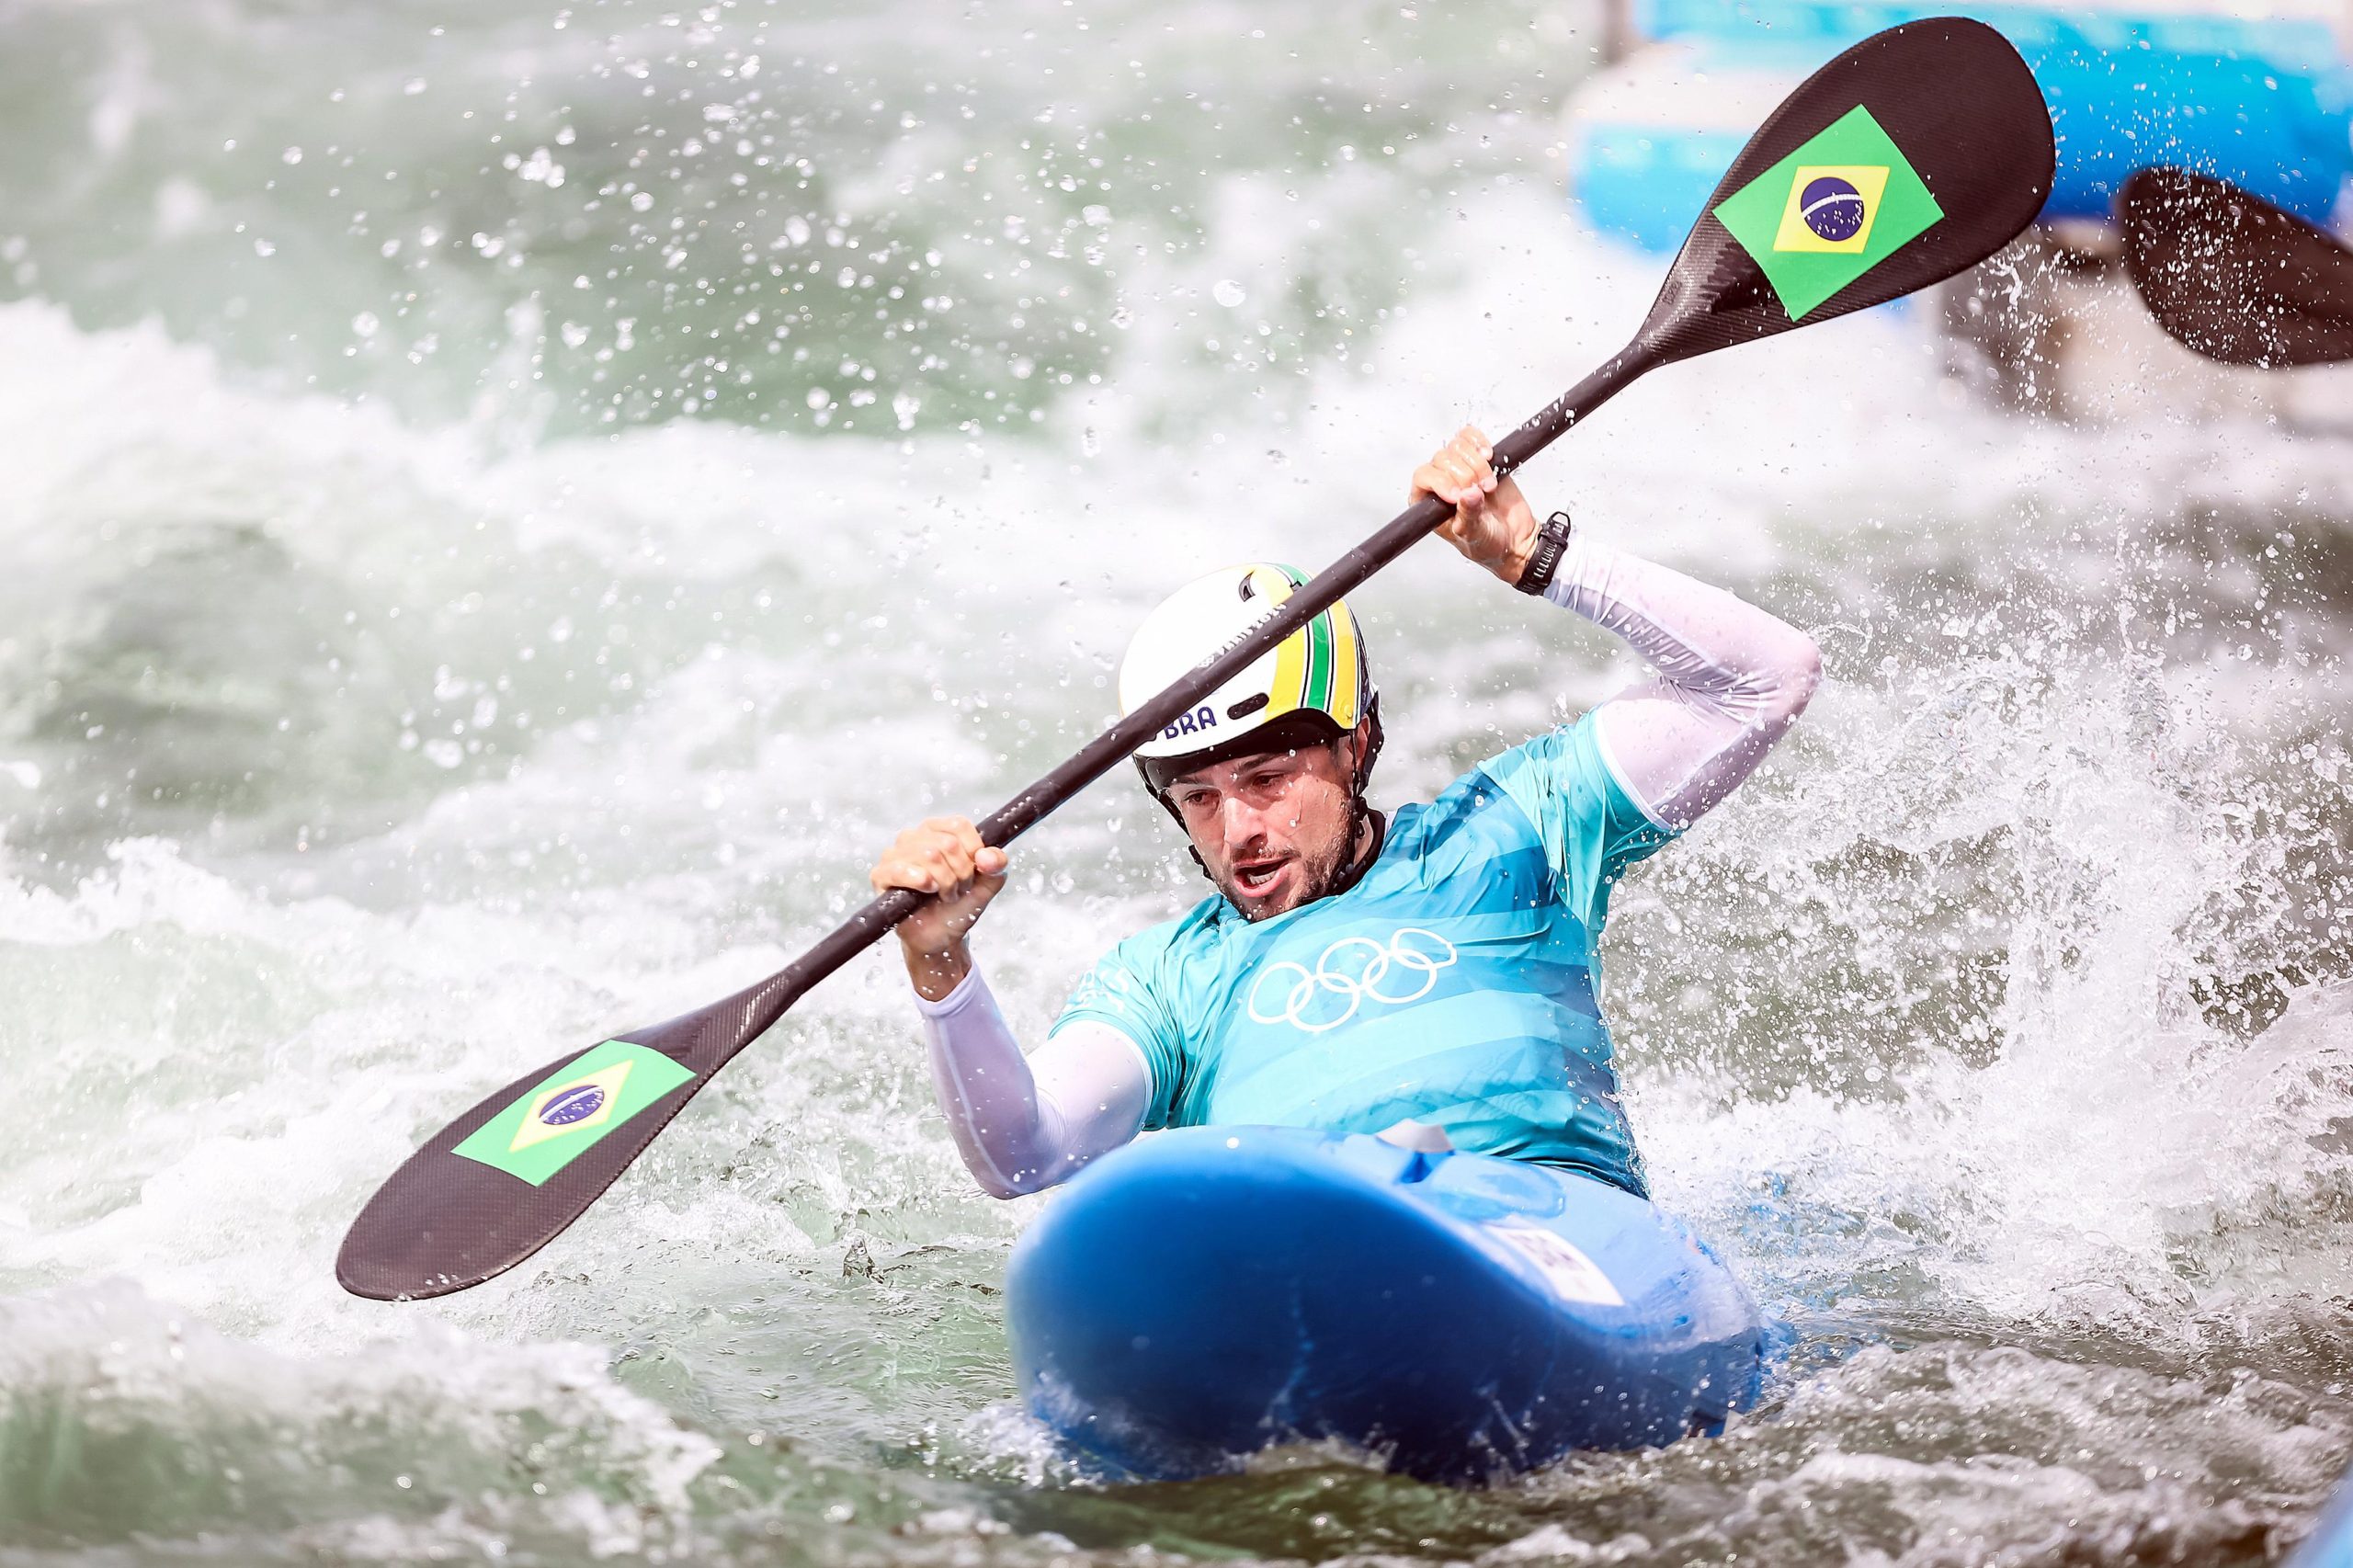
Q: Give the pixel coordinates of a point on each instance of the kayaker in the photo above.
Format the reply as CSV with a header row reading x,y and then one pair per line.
x,y
1355,970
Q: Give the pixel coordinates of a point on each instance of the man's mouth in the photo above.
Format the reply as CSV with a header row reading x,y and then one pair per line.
x,y
1257,879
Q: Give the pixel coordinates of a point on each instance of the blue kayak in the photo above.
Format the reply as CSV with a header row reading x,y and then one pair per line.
x,y
2331,1543
1202,1294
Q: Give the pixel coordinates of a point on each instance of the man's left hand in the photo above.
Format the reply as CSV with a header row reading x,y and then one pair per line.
x,y
1492,525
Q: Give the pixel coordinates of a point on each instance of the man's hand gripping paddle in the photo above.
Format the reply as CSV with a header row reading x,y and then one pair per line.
x,y
2232,276
1911,156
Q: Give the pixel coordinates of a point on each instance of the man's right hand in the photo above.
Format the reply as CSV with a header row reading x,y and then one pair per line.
x,y
945,858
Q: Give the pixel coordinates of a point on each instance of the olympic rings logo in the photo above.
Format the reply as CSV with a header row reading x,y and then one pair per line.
x,y
1352,971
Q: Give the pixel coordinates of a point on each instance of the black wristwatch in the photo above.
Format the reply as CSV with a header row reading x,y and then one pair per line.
x,y
1551,543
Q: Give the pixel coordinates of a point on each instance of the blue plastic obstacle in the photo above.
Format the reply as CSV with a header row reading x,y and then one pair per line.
x,y
1207,1292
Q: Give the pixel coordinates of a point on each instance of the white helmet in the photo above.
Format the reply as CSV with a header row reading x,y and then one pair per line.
x,y
1314,684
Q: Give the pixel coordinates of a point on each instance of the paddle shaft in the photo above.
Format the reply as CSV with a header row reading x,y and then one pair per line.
x,y
1026,810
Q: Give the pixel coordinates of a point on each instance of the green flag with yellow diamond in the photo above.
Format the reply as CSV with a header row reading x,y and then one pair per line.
x,y
1830,211
570,1112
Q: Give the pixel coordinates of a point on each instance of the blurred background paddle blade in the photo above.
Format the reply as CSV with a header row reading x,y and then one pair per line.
x,y
2234,277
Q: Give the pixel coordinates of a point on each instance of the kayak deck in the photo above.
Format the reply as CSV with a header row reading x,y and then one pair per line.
x,y
1198,1295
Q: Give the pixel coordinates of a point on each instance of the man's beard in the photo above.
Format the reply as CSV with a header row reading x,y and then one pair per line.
x,y
1321,874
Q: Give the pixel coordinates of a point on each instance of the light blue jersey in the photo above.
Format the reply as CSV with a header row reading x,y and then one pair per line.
x,y
1454,983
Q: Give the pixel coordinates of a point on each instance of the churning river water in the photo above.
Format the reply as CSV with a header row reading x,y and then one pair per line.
x,y
507,506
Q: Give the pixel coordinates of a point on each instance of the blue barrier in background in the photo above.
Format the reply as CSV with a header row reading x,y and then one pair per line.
x,y
2264,103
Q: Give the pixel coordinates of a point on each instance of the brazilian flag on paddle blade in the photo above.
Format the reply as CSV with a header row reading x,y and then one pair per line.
x,y
567,1113
1830,211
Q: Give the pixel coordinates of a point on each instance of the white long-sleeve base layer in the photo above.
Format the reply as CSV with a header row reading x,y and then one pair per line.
x,y
1730,679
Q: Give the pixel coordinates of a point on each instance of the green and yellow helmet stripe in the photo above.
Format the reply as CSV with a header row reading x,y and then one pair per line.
x,y
1304,663
1318,668
1318,692
1348,697
1289,684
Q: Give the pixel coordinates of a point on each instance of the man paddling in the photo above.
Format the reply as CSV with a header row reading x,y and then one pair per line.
x,y
1354,970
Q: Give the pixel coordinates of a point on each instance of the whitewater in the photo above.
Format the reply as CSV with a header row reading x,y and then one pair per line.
x,y
459,610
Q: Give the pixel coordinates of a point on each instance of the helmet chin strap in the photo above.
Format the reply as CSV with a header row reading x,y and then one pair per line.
x,y
1364,848
1363,821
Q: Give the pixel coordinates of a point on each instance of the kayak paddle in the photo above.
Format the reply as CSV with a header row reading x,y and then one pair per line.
x,y
2234,277
1911,156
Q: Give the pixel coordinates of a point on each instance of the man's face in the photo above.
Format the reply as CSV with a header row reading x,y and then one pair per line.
x,y
1274,828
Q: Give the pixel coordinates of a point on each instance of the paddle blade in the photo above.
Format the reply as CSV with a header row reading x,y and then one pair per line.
x,y
1913,156
2234,277
503,1180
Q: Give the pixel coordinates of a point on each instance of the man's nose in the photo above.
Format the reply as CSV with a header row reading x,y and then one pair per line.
x,y
1240,823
